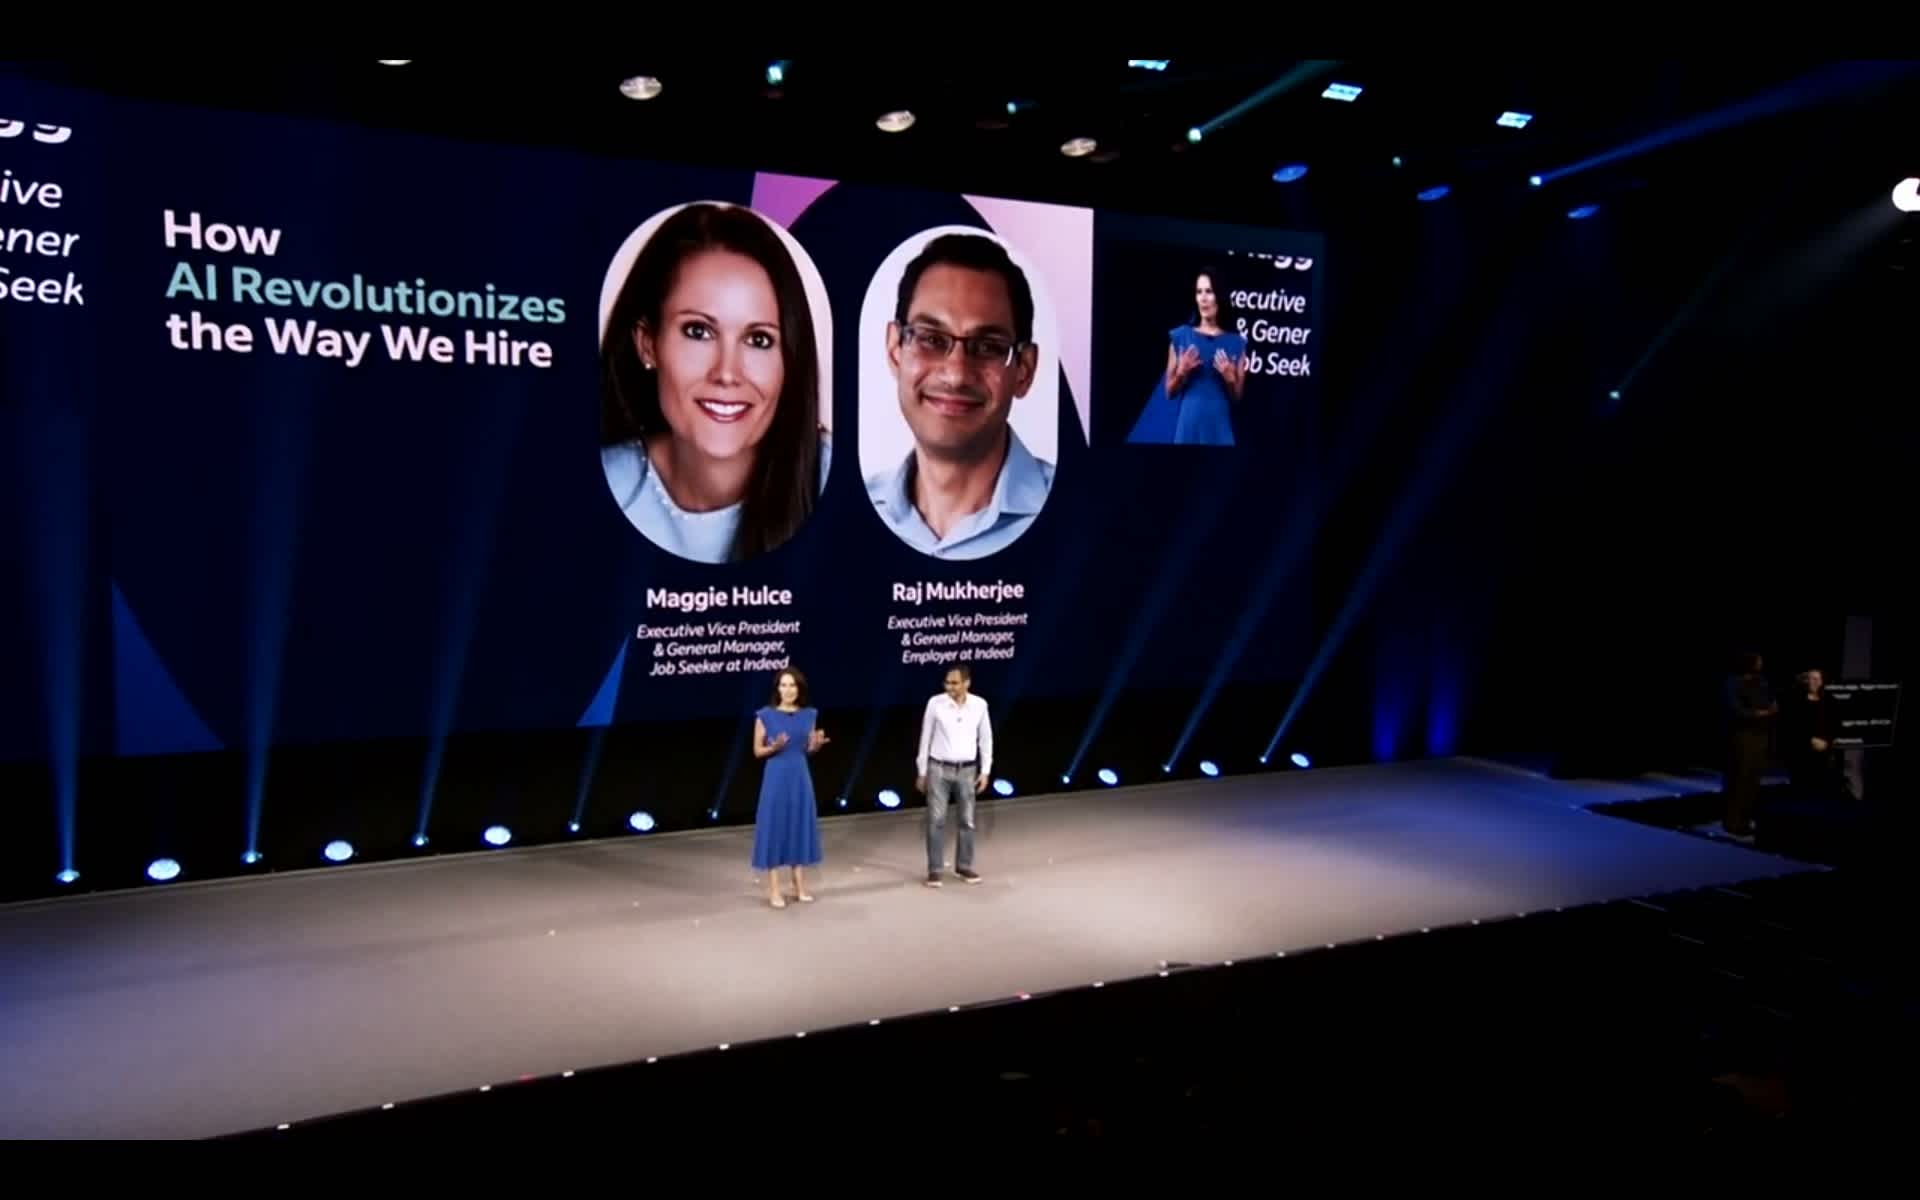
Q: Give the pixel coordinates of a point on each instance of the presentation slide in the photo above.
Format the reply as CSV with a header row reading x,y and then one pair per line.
x,y
1865,714
322,432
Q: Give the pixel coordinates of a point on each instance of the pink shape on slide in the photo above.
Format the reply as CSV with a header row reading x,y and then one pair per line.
x,y
1059,240
782,198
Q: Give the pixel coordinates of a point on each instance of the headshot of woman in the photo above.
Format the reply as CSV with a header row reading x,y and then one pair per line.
x,y
786,828
1204,378
711,430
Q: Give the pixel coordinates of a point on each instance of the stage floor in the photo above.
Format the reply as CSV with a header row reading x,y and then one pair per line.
x,y
203,1009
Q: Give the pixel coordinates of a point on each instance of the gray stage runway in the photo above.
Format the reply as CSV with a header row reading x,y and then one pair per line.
x,y
201,1009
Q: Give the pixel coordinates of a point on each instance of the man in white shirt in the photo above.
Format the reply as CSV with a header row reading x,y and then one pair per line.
x,y
955,762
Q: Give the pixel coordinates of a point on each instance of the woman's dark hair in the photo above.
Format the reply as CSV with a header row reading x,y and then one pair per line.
x,y
1223,315
786,477
800,684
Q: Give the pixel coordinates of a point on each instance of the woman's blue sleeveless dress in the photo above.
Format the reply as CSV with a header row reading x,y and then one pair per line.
x,y
1202,414
786,830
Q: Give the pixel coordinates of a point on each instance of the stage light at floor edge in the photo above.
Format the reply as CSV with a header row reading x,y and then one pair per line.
x,y
1290,173
497,835
419,840
338,851
888,798
573,827
67,876
641,822
1003,787
163,870
1437,192
1109,776
1906,195
1299,760
1583,212
251,858
1209,768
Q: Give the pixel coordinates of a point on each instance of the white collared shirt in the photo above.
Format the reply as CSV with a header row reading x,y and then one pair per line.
x,y
956,733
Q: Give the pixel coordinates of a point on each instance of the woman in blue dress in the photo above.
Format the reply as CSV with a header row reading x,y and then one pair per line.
x,y
786,830
1206,371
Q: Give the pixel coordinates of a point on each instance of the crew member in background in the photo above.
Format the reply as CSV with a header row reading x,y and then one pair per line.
x,y
1750,712
1806,739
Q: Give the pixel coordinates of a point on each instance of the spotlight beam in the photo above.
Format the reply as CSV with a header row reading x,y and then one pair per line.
x,y
1299,76
55,470
1476,399
1147,618
1809,90
742,741
886,693
1758,218
286,447
588,770
1367,420
1090,517
489,446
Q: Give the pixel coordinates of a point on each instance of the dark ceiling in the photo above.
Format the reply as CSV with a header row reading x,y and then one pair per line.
x,y
1742,118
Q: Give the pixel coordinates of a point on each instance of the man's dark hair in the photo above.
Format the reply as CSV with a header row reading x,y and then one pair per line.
x,y
966,672
974,253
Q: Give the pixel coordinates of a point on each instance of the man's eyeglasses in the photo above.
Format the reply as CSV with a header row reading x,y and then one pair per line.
x,y
987,349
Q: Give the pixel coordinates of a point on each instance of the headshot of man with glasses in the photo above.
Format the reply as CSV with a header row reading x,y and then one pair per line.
x,y
961,351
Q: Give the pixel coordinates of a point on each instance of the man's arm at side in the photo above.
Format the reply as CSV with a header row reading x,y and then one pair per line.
x,y
926,741
986,742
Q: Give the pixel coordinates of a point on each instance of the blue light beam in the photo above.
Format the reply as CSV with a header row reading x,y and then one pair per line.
x,y
54,468
492,433
283,441
1146,619
1475,400
1444,258
1814,88
588,769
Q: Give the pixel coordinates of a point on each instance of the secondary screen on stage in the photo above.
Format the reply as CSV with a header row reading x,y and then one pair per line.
x,y
324,432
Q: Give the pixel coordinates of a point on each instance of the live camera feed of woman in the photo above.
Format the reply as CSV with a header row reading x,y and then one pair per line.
x,y
715,393
959,393
1220,351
